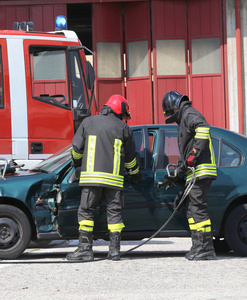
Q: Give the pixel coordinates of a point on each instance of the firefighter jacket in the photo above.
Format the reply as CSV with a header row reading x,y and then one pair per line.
x,y
194,132
105,146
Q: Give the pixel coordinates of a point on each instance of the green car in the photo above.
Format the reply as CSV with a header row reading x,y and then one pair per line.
x,y
41,204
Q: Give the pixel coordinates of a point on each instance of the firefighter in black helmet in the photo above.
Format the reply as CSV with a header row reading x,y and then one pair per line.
x,y
195,147
104,146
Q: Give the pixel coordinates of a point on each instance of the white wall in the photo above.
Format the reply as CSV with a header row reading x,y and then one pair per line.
x,y
232,65
244,55
232,62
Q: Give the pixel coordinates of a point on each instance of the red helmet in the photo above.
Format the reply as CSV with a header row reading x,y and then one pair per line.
x,y
120,106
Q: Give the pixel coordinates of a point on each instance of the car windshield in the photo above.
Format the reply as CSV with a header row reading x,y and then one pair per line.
x,y
55,161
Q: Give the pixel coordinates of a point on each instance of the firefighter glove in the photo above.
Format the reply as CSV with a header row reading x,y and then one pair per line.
x,y
181,170
136,178
75,163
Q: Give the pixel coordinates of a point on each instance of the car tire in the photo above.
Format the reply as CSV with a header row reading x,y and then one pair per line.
x,y
15,232
236,230
220,245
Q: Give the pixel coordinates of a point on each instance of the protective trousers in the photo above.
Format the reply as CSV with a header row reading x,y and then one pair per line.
x,y
199,222
90,198
196,206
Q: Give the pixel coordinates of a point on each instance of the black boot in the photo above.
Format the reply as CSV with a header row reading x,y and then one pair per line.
x,y
114,247
195,244
205,248
84,250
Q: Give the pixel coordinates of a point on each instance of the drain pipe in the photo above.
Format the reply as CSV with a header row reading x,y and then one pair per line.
x,y
239,67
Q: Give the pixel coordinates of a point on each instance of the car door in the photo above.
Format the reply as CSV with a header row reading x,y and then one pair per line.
x,y
231,182
167,153
68,200
138,211
139,207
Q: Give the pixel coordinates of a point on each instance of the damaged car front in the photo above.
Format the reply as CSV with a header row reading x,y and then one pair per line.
x,y
28,203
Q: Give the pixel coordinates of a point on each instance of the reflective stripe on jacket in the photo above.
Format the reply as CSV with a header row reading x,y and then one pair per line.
x,y
106,146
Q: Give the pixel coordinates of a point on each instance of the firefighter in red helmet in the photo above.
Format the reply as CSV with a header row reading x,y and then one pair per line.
x,y
196,149
104,146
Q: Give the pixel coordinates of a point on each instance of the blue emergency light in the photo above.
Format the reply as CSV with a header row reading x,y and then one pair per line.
x,y
61,23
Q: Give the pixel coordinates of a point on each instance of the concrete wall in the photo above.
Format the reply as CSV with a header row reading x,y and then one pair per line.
x,y
232,62
244,55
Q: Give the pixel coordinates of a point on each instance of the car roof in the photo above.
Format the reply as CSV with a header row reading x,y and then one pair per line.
x,y
234,137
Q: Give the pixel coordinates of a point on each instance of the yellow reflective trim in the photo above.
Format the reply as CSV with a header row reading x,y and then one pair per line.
x,y
117,156
91,152
86,225
207,229
85,228
204,226
87,222
202,129
134,172
192,224
76,155
116,227
191,220
102,178
193,227
211,151
202,137
202,170
131,164
202,133
107,182
203,173
101,174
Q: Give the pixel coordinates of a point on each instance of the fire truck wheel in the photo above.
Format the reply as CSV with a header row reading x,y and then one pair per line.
x,y
15,232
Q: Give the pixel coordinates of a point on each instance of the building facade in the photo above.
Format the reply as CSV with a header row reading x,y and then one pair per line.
x,y
143,49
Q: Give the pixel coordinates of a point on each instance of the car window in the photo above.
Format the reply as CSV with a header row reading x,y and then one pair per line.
x,y
139,143
216,145
230,156
152,138
171,147
168,149
142,142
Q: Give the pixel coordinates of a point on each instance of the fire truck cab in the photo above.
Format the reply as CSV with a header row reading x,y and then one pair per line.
x,y
46,89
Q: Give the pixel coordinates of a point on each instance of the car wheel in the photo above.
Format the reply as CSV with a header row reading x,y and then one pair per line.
x,y
236,230
220,245
15,232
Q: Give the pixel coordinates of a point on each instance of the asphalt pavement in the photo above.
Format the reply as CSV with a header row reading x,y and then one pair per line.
x,y
157,270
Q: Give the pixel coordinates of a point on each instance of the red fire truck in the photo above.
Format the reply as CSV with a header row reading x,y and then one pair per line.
x,y
46,89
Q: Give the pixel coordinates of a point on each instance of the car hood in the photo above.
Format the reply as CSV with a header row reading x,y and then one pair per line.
x,y
23,185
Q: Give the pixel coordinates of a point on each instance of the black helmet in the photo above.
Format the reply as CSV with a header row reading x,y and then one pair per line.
x,y
172,101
